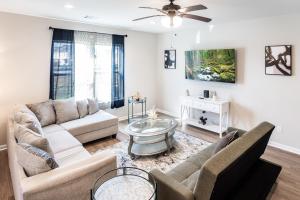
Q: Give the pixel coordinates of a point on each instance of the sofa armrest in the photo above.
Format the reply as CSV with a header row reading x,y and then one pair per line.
x,y
73,181
169,188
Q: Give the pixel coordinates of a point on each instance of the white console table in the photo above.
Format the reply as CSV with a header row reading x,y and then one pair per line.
x,y
219,107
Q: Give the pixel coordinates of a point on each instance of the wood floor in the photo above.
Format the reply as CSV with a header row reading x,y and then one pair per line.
x,y
288,183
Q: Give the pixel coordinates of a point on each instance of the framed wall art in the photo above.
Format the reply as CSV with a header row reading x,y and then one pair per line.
x,y
278,60
170,59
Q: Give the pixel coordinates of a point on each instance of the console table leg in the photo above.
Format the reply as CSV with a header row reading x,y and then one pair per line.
x,y
227,120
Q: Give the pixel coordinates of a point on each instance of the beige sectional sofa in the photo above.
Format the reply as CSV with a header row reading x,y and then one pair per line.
x,y
78,169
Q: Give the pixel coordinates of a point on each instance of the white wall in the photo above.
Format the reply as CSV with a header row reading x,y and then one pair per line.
x,y
255,97
25,56
25,44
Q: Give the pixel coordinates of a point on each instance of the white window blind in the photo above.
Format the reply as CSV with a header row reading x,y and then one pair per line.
x,y
93,65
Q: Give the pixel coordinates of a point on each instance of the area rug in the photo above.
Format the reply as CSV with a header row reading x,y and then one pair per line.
x,y
184,146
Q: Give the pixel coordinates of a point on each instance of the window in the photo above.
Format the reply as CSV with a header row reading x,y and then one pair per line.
x,y
62,65
93,66
63,69
87,65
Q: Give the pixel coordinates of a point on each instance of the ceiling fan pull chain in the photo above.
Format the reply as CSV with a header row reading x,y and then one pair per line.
x,y
172,40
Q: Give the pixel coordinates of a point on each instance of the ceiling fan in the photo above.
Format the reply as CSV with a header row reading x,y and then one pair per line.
x,y
173,14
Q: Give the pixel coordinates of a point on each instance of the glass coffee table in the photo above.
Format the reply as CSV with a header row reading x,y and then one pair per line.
x,y
150,136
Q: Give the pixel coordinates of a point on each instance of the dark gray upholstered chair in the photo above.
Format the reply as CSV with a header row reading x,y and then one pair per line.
x,y
235,172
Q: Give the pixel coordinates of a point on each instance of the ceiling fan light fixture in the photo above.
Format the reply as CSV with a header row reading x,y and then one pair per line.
x,y
171,22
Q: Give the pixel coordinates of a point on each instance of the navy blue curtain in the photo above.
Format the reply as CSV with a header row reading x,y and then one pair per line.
x,y
62,69
117,90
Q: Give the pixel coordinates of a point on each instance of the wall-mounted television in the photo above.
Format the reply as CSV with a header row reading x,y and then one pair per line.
x,y
211,65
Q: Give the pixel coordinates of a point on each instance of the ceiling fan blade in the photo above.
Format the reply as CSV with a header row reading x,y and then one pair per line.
x,y
192,8
147,17
157,9
149,8
196,17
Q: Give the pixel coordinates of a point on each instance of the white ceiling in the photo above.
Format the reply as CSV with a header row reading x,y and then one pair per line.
x,y
120,13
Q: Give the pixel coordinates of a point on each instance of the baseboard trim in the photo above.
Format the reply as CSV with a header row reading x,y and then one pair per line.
x,y
126,117
284,147
272,144
166,112
3,147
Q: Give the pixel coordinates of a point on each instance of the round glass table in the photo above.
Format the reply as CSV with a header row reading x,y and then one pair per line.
x,y
126,183
150,136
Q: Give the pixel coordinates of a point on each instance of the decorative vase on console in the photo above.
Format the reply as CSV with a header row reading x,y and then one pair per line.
x,y
214,96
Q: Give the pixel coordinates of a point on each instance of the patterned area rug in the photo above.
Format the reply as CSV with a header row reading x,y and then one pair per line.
x,y
184,147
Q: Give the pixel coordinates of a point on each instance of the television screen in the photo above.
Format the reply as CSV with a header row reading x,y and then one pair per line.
x,y
211,65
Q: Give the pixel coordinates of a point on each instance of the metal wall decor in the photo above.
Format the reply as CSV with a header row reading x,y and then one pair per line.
x,y
278,60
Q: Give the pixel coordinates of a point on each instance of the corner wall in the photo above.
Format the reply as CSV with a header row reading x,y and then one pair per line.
x,y
25,46
255,97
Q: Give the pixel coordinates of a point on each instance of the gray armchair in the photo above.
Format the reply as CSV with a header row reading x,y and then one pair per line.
x,y
232,173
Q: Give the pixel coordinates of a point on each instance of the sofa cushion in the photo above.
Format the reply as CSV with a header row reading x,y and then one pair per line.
x,y
191,181
34,160
25,135
230,165
52,129
82,107
194,163
93,106
29,120
44,112
71,155
97,121
66,110
226,140
61,140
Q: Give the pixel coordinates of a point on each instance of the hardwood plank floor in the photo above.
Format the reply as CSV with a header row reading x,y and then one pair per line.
x,y
6,191
288,183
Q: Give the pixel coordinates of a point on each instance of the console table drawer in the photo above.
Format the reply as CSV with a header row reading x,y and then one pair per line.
x,y
215,108
206,106
186,102
198,105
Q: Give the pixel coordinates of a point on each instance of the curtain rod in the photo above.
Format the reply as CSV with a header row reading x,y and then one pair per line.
x,y
51,28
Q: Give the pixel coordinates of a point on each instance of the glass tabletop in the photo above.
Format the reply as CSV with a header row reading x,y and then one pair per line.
x,y
150,127
125,187
140,100
125,183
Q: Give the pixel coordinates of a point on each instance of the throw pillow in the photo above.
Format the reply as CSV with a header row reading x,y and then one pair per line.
x,y
29,120
34,160
226,140
93,106
66,110
25,135
44,112
82,107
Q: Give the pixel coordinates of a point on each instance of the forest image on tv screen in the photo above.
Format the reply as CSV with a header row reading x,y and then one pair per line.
x,y
210,65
